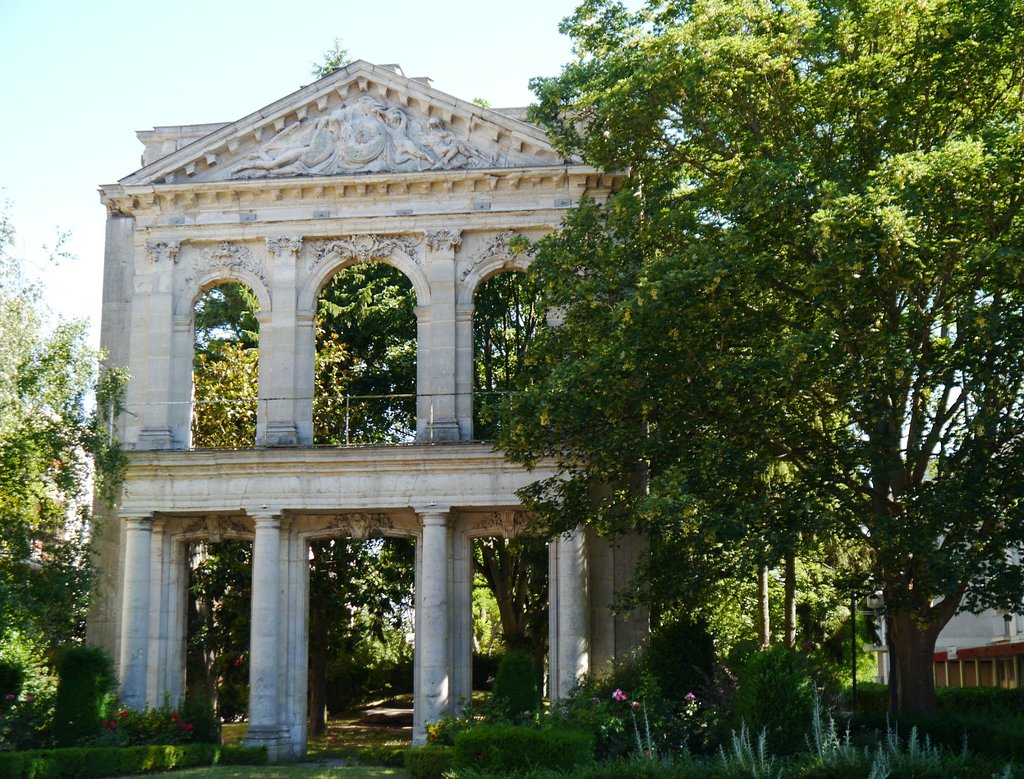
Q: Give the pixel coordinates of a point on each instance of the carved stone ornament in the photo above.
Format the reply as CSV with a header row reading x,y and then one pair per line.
x,y
444,239
228,256
215,529
498,248
163,250
281,244
363,526
362,135
507,524
364,248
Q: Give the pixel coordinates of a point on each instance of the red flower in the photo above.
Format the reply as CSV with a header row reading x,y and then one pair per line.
x,y
123,714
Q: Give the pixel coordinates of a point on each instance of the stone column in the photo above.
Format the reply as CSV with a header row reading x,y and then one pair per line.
x,y
441,245
265,636
135,610
431,696
276,421
568,613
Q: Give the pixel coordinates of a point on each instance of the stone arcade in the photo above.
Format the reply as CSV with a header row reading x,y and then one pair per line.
x,y
362,165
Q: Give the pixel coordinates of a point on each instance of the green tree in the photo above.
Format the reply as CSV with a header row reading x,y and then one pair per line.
x,y
49,444
815,260
334,58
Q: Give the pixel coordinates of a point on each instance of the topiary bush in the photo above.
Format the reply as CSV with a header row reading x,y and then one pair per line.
x,y
85,687
516,691
776,695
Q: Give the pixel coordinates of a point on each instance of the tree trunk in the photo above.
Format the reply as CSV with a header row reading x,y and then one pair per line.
x,y
914,646
790,601
317,670
764,627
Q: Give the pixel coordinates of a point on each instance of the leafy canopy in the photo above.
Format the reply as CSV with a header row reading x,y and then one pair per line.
x,y
803,313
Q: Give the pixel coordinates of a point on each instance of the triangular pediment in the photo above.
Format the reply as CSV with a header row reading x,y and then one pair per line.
x,y
362,118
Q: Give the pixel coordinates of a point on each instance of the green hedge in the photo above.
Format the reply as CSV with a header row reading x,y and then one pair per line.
x,y
517,748
85,762
428,762
873,699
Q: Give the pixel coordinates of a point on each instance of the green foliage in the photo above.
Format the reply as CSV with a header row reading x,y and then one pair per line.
x,y
47,442
505,748
366,349
802,316
26,720
428,762
190,724
516,691
96,762
776,698
86,683
334,58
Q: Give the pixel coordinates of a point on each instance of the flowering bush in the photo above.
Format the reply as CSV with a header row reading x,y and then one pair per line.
x,y
164,725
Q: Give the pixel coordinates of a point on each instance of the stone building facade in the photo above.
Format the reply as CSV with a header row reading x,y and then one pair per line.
x,y
364,165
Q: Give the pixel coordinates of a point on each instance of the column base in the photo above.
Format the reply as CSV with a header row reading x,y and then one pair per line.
x,y
271,738
445,429
281,434
151,438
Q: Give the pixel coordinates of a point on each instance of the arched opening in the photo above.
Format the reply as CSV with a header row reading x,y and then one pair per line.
x,y
218,622
365,370
225,367
360,626
505,320
510,603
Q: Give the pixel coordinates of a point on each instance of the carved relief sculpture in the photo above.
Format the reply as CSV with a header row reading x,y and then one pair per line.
x,y
362,135
228,256
501,247
364,248
444,239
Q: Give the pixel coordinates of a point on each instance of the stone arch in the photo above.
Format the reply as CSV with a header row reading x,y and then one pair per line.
x,y
221,264
329,257
497,257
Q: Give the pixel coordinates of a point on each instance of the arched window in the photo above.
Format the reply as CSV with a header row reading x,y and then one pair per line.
x,y
505,320
365,373
225,367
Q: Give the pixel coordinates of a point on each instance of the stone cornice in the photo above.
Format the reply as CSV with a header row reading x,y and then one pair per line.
x,y
244,195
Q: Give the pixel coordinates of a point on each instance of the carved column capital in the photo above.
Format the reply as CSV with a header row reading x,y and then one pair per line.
x,y
284,244
439,240
163,250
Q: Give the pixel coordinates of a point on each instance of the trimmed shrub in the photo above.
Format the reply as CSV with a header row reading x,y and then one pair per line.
x,y
95,762
85,685
242,755
516,691
393,757
503,748
681,655
428,762
776,695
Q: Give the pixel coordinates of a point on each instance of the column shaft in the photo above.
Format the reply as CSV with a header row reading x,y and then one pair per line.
x,y
432,699
135,621
265,636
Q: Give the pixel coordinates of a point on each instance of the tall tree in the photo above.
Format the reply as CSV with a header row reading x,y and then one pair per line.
x,y
49,445
816,259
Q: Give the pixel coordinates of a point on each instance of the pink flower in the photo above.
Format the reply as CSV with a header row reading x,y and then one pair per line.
x,y
10,696
689,697
29,698
636,704
619,695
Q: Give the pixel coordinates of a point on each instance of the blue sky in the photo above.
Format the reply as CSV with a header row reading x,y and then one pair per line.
x,y
80,77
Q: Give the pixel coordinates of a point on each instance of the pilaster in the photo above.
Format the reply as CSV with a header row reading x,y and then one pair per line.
x,y
441,245
277,420
569,609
